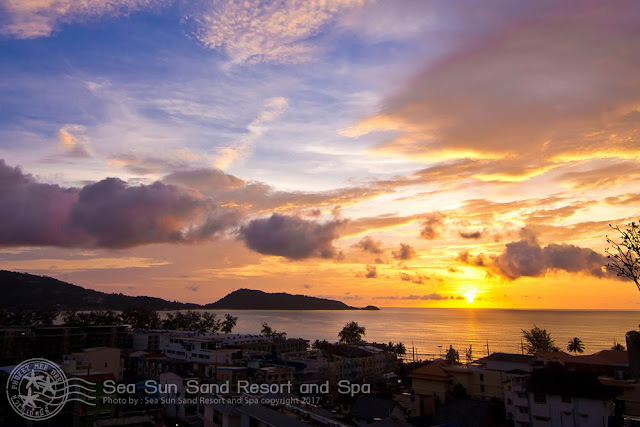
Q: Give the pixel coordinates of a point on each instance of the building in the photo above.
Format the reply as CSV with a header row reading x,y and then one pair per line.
x,y
198,348
98,360
554,396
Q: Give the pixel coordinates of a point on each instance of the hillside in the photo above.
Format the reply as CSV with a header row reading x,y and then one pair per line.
x,y
31,292
249,299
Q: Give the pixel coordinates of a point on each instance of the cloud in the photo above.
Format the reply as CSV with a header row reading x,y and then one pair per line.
x,y
431,226
254,31
433,297
404,253
526,258
245,146
193,288
291,237
418,279
39,18
108,213
372,272
368,244
154,164
516,104
74,140
259,197
32,213
466,258
470,234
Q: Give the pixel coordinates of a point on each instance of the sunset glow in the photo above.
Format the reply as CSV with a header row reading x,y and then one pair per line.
x,y
389,153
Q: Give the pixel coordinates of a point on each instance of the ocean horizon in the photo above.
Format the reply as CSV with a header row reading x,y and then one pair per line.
x,y
431,330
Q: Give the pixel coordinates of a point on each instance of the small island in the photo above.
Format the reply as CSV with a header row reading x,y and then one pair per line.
x,y
251,299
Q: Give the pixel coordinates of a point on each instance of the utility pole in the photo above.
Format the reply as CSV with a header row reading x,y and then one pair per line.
x,y
488,347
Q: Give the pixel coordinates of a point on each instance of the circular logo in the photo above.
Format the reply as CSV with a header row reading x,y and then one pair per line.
x,y
37,389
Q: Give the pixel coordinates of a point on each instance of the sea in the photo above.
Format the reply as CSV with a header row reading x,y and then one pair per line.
x,y
428,332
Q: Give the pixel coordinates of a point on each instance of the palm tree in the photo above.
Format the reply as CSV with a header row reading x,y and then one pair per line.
x,y
617,346
575,345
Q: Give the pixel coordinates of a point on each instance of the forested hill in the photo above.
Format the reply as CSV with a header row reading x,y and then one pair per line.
x,y
248,299
31,292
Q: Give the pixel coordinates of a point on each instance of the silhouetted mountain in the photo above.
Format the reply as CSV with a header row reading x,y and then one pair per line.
x,y
30,292
249,299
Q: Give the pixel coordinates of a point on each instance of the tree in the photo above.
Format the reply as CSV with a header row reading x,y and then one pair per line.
x,y
269,332
452,356
352,333
617,346
400,349
575,345
266,330
624,254
228,323
320,345
469,354
140,318
538,341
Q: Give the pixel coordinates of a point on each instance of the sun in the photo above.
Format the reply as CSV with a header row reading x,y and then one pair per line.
x,y
470,295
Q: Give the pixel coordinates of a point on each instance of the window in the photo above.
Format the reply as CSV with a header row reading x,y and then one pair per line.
x,y
482,388
481,377
522,395
540,398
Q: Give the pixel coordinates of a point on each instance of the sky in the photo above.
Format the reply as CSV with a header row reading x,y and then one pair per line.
x,y
385,152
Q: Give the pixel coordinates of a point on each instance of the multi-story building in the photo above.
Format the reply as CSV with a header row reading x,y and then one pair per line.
x,y
198,348
97,360
553,396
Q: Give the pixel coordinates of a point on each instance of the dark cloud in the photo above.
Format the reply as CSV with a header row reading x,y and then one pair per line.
x,y
404,253
367,244
526,258
32,213
291,236
431,226
470,234
108,213
466,258
418,279
372,272
193,288
116,215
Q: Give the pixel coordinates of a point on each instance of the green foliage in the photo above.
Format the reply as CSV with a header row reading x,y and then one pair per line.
x,y
575,345
624,253
352,333
538,341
